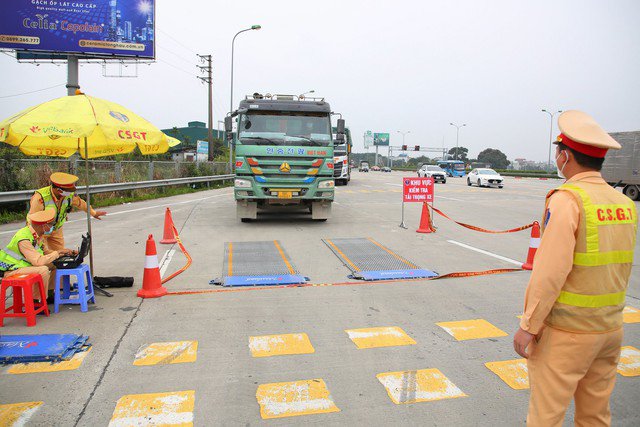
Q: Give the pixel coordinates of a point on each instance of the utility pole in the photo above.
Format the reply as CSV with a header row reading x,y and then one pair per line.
x,y
208,78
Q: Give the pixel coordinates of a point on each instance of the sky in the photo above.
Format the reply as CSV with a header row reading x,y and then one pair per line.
x,y
387,66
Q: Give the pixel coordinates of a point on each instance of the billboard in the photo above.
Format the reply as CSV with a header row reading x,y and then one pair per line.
x,y
368,139
381,139
114,28
202,147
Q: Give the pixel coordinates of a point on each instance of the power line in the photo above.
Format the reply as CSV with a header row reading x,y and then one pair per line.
x,y
178,41
177,55
177,68
33,91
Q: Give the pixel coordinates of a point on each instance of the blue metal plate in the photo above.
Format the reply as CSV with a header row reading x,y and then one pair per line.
x,y
394,274
40,348
285,279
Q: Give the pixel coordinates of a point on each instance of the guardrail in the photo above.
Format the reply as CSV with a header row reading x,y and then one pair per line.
x,y
25,195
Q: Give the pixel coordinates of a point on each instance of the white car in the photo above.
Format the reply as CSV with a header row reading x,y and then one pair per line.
x,y
433,171
485,178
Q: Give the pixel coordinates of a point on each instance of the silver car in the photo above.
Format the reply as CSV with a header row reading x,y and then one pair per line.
x,y
485,177
433,171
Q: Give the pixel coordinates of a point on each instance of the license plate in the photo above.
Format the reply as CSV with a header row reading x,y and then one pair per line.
x,y
285,194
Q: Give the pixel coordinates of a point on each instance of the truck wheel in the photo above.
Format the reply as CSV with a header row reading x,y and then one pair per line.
x,y
468,182
245,219
632,192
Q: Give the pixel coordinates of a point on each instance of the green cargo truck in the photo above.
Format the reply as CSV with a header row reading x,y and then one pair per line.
x,y
283,154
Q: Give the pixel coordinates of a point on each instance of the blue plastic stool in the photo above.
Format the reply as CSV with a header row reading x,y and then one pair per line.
x,y
83,291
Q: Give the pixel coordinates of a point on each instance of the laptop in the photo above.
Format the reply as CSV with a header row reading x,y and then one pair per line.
x,y
72,261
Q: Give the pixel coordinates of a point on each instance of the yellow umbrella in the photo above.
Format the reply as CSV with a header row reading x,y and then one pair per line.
x,y
82,124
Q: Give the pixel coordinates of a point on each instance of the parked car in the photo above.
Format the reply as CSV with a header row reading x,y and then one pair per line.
x,y
436,172
386,169
375,168
485,177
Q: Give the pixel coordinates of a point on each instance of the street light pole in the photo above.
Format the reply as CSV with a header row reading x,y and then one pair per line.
x,y
550,134
301,96
253,27
457,135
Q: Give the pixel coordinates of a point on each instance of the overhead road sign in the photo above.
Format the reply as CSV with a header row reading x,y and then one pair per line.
x,y
123,28
381,139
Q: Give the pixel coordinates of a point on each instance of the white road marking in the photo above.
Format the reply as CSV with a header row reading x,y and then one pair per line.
x,y
449,198
512,261
166,260
365,185
138,209
397,185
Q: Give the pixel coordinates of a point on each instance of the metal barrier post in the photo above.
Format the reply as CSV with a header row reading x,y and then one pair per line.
x,y
118,171
151,170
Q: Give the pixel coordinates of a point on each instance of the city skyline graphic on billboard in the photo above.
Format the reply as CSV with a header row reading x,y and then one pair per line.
x,y
98,27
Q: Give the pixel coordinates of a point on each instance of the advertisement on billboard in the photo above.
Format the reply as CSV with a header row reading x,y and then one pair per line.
x,y
202,147
368,139
120,28
381,139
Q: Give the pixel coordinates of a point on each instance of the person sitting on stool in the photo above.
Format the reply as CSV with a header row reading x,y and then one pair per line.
x,y
25,253
59,196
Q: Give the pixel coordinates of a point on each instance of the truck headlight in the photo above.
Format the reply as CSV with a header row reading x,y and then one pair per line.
x,y
242,183
326,184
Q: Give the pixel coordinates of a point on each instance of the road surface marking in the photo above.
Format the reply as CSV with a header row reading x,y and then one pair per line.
x,y
396,185
41,367
306,397
631,315
471,329
424,385
450,198
166,260
18,414
167,353
279,345
167,409
136,210
393,254
389,336
512,261
629,365
230,269
284,258
513,372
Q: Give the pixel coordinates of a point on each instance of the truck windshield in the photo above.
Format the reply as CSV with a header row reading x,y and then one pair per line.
x,y
340,150
285,129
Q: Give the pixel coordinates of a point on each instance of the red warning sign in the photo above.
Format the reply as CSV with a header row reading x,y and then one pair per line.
x,y
417,189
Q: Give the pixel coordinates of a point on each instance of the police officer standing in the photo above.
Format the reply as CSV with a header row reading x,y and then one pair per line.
x,y
571,328
60,196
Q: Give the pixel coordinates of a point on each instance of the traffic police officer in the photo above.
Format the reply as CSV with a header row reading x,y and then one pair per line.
x,y
26,254
59,196
572,321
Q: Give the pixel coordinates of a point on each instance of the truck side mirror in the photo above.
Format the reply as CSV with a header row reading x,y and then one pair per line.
x,y
340,127
228,127
340,138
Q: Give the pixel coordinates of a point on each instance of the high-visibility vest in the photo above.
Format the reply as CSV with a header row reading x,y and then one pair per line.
x,y
49,203
593,296
10,256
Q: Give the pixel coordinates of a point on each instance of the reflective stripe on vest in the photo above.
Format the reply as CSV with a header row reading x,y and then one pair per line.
x,y
595,216
16,255
10,257
594,301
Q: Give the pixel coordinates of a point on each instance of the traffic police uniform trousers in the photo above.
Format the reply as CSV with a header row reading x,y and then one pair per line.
x,y
563,365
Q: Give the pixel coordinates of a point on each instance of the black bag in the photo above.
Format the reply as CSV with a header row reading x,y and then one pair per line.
x,y
113,282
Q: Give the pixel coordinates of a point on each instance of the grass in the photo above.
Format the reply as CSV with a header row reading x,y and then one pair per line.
x,y
17,213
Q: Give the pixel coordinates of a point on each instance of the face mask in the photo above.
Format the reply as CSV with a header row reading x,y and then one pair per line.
x,y
560,170
65,193
48,232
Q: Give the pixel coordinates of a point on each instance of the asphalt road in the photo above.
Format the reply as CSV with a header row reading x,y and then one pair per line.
x,y
331,381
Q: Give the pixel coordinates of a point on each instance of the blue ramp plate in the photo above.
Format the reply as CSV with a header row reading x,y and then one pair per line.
x,y
40,348
288,279
394,274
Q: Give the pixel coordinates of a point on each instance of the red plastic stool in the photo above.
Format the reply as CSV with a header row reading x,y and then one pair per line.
x,y
23,289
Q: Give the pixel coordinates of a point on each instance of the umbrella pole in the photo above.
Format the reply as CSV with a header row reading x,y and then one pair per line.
x,y
86,171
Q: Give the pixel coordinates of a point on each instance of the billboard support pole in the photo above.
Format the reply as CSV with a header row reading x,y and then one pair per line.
x,y
72,75
376,162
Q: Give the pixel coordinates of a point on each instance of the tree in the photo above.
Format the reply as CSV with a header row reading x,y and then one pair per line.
x,y
496,158
462,153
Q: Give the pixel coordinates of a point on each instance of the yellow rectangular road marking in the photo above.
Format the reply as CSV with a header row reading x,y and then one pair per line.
x,y
286,261
629,365
155,409
164,353
471,329
513,372
348,191
306,397
17,414
42,367
278,345
364,191
631,315
379,337
423,385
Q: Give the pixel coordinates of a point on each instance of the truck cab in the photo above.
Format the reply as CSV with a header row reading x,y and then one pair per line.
x,y
283,154
341,159
364,166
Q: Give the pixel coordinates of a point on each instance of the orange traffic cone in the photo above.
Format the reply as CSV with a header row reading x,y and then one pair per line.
x,y
168,238
151,281
533,246
425,221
